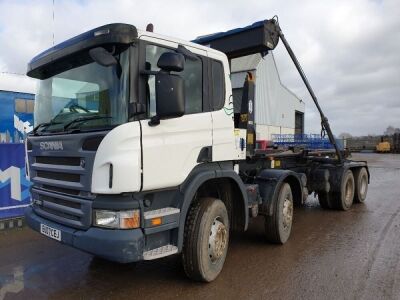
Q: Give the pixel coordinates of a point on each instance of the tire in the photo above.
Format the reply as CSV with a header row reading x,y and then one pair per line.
x,y
343,200
361,185
279,225
206,239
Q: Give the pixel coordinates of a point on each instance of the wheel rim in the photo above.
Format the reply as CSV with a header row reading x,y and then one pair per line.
x,y
349,193
363,186
217,240
287,213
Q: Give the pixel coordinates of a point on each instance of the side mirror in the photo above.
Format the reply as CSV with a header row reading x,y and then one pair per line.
x,y
170,88
171,61
102,57
170,96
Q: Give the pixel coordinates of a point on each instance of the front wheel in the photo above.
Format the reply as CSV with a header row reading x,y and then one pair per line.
x,y
279,226
206,239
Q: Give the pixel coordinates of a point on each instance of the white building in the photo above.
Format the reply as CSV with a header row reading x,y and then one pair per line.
x,y
277,109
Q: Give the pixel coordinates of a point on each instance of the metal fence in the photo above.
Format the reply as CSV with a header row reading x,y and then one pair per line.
x,y
306,141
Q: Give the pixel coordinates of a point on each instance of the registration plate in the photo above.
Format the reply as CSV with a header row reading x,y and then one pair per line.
x,y
50,232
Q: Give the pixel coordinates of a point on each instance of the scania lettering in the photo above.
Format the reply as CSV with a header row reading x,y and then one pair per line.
x,y
141,148
51,146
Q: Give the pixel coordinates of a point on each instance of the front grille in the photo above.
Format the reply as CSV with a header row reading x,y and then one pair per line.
x,y
55,160
60,214
92,143
59,176
60,201
63,174
71,211
66,171
60,190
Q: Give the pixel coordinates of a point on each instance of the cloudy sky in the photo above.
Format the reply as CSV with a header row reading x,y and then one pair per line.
x,y
350,50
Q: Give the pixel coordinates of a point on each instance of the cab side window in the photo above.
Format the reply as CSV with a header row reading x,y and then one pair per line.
x,y
218,85
192,76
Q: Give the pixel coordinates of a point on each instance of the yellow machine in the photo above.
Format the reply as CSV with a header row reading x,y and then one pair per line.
x,y
383,147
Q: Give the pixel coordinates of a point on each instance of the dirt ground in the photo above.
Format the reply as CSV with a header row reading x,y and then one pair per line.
x,y
330,255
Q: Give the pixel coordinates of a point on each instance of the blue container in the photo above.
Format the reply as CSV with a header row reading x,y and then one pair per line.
x,y
14,187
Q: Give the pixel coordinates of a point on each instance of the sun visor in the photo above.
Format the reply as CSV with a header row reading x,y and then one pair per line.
x,y
68,53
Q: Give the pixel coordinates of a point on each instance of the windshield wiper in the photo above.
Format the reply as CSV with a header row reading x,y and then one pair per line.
x,y
84,119
44,125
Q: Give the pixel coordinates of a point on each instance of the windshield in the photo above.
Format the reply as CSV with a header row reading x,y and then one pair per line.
x,y
88,97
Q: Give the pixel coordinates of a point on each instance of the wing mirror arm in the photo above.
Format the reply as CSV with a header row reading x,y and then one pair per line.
x,y
148,72
154,121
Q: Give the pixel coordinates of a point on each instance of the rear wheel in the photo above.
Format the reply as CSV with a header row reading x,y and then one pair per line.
x,y
206,239
361,185
344,199
279,225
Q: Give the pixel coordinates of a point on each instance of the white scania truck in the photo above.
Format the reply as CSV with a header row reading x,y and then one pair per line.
x,y
138,152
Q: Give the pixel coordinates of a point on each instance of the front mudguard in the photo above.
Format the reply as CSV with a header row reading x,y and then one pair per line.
x,y
270,182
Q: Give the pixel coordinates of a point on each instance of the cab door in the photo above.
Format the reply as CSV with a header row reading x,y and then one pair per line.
x,y
172,148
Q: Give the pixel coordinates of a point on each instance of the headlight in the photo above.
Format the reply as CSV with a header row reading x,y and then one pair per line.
x,y
127,219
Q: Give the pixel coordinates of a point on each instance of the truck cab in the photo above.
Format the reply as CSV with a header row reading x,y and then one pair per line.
x,y
107,178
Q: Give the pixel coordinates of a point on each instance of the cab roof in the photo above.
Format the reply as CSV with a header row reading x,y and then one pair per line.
x,y
114,34
51,61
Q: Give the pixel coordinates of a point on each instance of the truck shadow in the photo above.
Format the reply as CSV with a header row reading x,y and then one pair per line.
x,y
250,242
249,255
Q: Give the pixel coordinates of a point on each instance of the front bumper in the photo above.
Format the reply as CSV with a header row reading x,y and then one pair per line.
x,y
116,245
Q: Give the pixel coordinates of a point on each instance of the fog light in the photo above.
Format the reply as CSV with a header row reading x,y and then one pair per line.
x,y
117,219
156,222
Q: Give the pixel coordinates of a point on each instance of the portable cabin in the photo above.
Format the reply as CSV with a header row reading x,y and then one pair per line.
x,y
16,107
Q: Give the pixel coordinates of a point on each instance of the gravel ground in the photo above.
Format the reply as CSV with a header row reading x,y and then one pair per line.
x,y
330,255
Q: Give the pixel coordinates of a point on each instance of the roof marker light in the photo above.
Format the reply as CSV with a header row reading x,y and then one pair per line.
x,y
101,32
150,27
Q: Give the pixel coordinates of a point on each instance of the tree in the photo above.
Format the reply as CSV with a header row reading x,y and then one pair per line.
x,y
391,130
